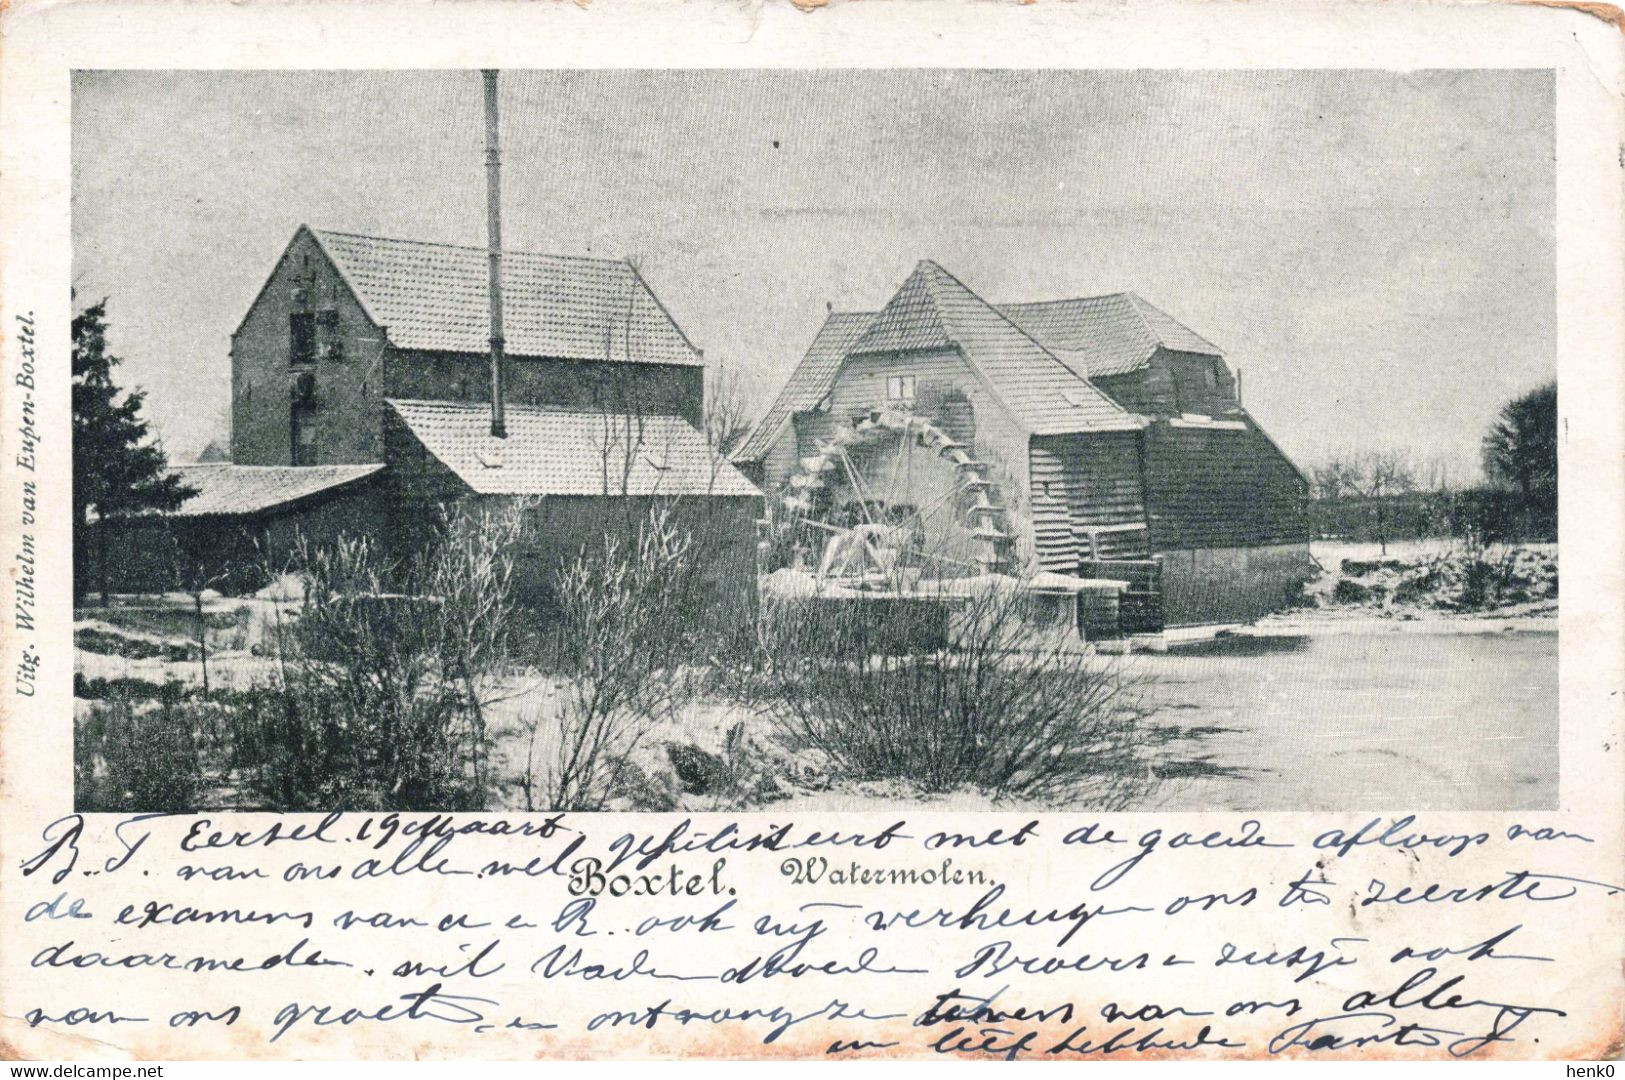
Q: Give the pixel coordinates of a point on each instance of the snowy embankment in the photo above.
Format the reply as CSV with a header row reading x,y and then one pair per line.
x,y
1426,586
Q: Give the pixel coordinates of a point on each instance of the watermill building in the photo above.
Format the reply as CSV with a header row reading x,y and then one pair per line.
x,y
1112,434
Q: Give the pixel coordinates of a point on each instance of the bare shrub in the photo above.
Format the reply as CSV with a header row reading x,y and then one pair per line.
x,y
1489,576
470,576
385,677
290,750
137,757
992,701
620,644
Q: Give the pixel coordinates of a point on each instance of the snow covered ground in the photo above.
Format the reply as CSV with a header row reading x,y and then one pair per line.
x,y
1393,702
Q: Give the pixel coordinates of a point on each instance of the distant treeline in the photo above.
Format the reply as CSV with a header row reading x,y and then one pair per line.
x,y
1486,513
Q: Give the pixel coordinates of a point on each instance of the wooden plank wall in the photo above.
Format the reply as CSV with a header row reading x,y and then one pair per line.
x,y
861,386
780,461
1085,482
1218,489
1171,383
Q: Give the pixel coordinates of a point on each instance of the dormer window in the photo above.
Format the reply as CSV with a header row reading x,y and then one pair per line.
x,y
900,391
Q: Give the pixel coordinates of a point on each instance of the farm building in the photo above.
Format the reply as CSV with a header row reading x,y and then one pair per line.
x,y
1106,439
361,398
217,536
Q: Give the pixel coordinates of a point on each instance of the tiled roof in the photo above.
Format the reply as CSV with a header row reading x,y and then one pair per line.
x,y
1105,335
1093,336
1171,332
249,489
557,452
1043,394
809,382
435,296
911,319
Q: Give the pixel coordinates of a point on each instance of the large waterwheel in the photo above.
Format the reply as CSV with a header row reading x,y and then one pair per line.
x,y
889,502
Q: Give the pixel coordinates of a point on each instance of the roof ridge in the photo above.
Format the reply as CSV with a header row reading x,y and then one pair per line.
x,y
1139,313
301,468
626,262
425,295
1140,303
1065,299
523,407
1018,329
931,308
1062,364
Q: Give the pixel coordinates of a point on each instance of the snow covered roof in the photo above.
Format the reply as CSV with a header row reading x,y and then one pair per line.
x,y
436,296
562,452
226,489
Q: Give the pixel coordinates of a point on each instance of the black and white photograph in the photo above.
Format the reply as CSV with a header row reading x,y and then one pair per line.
x,y
791,441
811,530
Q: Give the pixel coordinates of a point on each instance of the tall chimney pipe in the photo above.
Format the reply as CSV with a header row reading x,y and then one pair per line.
x,y
493,230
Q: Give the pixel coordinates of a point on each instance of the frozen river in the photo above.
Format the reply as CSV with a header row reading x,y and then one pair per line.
x,y
1367,721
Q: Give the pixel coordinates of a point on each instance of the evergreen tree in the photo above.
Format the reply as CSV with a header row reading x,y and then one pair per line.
x,y
117,468
1520,449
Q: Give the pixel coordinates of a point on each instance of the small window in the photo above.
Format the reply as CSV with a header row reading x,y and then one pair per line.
x,y
302,390
900,390
327,325
1211,376
301,338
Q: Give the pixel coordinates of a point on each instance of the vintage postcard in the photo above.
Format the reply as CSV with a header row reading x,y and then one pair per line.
x,y
884,530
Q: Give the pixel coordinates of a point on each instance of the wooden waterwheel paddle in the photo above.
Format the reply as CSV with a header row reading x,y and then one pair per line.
x,y
891,500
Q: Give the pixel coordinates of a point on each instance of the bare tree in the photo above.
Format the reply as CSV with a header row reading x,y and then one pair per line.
x,y
726,419
1374,475
623,412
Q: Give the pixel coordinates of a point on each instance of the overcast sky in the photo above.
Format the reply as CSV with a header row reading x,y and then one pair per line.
x,y
1373,250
